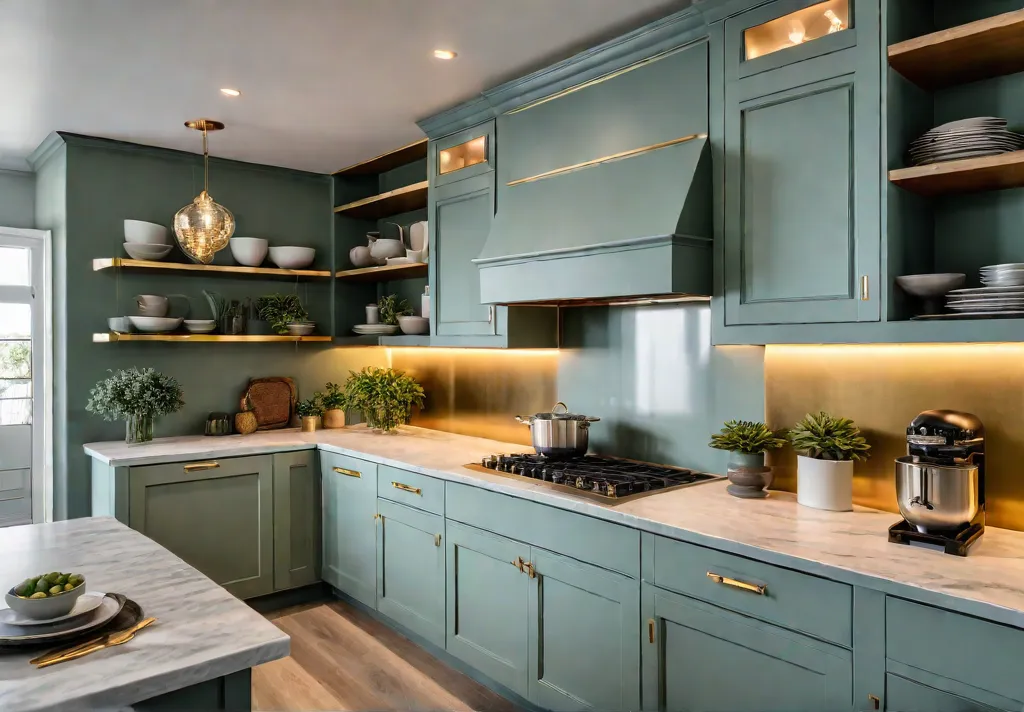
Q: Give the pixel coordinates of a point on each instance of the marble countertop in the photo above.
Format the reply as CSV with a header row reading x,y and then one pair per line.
x,y
852,547
202,631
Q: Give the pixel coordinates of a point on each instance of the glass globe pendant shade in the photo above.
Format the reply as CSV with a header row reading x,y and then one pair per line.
x,y
203,228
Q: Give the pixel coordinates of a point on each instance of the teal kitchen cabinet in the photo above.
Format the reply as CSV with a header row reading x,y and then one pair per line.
x,y
903,695
802,183
217,515
701,658
461,155
297,526
411,570
349,525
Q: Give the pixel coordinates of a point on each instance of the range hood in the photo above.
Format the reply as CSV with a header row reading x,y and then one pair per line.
x,y
630,229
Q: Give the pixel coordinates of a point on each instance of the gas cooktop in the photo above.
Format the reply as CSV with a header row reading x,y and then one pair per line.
x,y
611,480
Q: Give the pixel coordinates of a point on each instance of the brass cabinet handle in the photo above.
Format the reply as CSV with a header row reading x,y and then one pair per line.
x,y
759,589
864,294
875,701
518,563
376,517
407,488
197,466
437,540
650,629
350,473
490,314
530,569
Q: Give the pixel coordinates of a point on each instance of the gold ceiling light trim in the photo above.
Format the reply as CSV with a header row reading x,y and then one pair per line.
x,y
605,159
204,227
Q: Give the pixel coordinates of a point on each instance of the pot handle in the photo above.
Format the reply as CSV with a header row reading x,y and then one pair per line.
x,y
525,419
565,408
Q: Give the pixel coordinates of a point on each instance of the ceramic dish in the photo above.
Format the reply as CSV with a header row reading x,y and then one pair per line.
x,y
56,605
86,602
375,329
142,251
972,315
400,261
200,326
249,251
155,324
414,325
15,636
144,232
301,328
292,257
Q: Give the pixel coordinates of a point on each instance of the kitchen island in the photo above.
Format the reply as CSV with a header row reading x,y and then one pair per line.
x,y
197,655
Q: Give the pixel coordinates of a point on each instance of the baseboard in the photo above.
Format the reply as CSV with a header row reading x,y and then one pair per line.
x,y
439,653
292,597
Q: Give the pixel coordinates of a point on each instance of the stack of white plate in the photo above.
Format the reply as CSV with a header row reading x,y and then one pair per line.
x,y
967,138
1002,295
375,329
1008,275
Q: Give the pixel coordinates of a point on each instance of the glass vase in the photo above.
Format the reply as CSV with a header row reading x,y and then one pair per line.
x,y
138,429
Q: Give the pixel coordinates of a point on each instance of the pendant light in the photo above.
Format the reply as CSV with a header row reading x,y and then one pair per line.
x,y
203,227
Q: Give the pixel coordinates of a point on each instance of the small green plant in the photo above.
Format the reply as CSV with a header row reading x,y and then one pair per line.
x,y
280,310
746,437
312,406
824,437
391,307
384,396
334,397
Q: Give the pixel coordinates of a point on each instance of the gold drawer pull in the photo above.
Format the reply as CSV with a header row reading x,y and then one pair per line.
x,y
437,540
650,629
407,488
531,570
518,563
197,466
350,473
759,589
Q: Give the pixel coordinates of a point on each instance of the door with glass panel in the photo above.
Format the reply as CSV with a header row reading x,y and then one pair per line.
x,y
21,373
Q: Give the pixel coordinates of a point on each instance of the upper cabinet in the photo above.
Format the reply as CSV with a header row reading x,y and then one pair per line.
x,y
462,155
802,229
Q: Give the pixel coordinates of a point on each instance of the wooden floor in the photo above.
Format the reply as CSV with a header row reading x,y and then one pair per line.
x,y
342,659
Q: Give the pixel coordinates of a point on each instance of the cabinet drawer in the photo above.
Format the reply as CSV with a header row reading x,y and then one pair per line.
x,y
411,489
956,647
348,466
800,602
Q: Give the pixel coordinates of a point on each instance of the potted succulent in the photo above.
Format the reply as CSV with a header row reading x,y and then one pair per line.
x,y
334,402
310,411
136,397
826,450
280,310
746,442
384,396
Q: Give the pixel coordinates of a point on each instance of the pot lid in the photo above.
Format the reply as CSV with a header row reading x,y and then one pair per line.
x,y
564,414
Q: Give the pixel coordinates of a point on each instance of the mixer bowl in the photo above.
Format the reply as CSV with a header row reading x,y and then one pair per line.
x,y
936,498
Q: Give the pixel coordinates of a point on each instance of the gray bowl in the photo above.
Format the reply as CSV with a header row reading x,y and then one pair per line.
x,y
930,288
42,609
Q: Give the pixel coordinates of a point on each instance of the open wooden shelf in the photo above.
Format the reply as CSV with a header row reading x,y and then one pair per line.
x,y
400,200
109,338
110,262
987,48
384,273
387,161
969,175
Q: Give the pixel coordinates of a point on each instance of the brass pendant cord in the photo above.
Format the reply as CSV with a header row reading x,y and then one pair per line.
x,y
206,163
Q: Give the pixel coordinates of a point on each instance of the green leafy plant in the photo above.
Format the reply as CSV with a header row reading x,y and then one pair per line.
x,y
312,406
746,437
384,396
132,392
334,397
281,310
391,307
824,437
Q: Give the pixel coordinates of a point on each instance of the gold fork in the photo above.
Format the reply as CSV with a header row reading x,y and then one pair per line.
x,y
113,639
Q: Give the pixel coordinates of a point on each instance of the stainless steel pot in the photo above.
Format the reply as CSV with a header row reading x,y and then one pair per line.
x,y
559,434
936,497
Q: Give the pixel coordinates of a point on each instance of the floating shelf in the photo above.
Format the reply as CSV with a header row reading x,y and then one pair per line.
x,y
387,161
978,50
109,262
384,273
969,175
400,200
112,337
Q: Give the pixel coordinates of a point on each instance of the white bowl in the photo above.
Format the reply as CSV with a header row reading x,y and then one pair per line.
x,y
44,608
292,257
200,326
143,251
155,324
413,325
145,232
301,328
248,251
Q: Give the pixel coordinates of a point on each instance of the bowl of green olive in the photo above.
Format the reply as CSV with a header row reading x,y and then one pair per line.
x,y
46,596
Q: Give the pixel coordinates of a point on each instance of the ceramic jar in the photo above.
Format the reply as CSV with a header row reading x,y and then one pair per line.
x,y
824,484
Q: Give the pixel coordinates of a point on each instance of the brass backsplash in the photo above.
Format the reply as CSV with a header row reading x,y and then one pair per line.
x,y
882,387
479,391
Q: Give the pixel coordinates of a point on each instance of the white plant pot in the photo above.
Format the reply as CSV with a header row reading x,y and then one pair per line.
x,y
824,484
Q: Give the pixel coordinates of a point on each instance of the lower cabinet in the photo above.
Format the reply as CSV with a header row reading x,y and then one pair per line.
x,y
349,529
296,519
560,632
410,569
903,695
701,658
217,515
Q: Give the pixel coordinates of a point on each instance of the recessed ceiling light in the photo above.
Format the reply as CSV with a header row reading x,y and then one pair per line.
x,y
230,92
444,54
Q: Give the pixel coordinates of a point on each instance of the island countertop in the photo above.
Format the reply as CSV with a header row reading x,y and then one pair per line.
x,y
851,547
202,631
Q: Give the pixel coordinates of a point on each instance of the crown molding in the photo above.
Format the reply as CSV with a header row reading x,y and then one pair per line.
x,y
45,151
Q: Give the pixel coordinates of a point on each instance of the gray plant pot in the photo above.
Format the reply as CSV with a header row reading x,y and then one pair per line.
x,y
748,476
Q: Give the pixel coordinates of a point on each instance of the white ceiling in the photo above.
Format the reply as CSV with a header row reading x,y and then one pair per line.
x,y
325,83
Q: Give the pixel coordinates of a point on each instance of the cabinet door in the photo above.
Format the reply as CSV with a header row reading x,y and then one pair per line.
x,y
349,530
460,221
802,194
584,636
701,658
903,695
410,569
296,519
488,604
461,155
217,515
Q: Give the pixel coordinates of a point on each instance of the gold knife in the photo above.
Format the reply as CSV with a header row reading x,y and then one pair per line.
x,y
61,652
111,640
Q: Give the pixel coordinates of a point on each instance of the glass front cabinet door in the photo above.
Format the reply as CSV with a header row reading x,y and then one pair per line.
x,y
462,155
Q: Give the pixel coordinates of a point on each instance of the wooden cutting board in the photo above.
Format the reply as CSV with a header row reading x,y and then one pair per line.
x,y
273,401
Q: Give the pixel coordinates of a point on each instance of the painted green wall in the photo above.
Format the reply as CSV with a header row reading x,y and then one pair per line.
x,y
17,196
107,182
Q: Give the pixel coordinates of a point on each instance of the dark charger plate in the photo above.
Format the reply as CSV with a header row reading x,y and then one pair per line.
x,y
129,614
